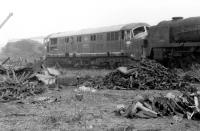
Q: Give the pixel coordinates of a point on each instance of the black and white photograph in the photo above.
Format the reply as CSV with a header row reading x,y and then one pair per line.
x,y
100,65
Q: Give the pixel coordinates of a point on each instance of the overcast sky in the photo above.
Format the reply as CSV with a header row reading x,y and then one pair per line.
x,y
33,18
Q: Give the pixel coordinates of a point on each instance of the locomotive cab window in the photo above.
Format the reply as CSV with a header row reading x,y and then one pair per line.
x,y
138,30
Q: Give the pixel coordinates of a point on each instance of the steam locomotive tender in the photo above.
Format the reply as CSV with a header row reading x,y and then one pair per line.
x,y
167,41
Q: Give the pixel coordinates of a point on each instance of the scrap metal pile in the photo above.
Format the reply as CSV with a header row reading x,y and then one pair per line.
x,y
145,75
18,82
184,105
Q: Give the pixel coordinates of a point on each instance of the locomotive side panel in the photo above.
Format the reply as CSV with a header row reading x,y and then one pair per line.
x,y
109,46
61,45
113,42
68,43
93,43
85,43
98,43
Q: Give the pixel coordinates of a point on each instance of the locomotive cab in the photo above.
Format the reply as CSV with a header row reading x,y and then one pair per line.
x,y
140,32
136,41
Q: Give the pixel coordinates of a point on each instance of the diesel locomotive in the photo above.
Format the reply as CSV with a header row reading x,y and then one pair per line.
x,y
113,46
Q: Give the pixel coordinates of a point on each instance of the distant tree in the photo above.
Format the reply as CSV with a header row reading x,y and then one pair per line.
x,y
28,49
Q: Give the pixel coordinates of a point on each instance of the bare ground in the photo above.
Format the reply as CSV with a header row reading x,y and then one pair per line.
x,y
63,112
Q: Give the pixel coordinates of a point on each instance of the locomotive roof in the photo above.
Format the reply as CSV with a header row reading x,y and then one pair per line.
x,y
98,30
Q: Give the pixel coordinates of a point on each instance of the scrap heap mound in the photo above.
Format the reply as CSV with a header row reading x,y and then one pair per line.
x,y
18,82
145,75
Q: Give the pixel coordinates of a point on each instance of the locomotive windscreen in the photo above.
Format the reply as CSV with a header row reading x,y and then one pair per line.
x,y
138,30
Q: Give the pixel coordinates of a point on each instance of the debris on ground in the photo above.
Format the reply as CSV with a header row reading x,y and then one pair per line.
x,y
177,118
18,82
146,75
85,89
186,106
193,74
48,76
44,99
